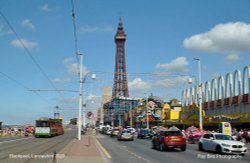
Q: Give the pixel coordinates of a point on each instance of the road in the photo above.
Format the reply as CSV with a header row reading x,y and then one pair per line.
x,y
30,149
139,151
24,150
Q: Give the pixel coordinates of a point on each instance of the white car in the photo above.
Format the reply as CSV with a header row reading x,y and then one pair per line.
x,y
221,143
131,129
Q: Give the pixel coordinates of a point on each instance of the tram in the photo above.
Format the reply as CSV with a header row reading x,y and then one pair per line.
x,y
48,127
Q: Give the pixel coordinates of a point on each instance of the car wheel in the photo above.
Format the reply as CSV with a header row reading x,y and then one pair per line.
x,y
218,149
162,147
201,147
183,148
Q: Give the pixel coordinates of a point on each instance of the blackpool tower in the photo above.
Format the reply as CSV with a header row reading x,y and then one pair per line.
x,y
120,87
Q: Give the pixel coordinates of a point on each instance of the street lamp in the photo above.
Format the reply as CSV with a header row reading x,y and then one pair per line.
x,y
147,111
81,95
199,93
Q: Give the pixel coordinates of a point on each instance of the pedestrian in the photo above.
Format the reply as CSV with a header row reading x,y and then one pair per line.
x,y
245,136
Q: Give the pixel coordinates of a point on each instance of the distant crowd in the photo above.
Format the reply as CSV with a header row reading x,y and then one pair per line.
x,y
241,135
11,132
16,131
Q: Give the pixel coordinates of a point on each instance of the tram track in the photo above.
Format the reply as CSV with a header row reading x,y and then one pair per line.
x,y
38,146
14,145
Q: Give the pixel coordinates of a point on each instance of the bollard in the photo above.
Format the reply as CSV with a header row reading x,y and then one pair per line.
x,y
54,157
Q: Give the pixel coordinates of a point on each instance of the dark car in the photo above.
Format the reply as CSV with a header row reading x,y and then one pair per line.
x,y
144,134
169,139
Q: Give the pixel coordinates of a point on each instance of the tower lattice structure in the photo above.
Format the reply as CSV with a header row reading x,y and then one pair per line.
x,y
120,87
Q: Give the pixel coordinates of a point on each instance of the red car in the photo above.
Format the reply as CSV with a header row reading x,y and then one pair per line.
x,y
169,139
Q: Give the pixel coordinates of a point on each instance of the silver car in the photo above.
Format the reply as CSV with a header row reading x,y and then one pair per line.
x,y
125,135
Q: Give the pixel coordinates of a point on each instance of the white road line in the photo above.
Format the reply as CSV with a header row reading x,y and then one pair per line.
x,y
15,140
132,153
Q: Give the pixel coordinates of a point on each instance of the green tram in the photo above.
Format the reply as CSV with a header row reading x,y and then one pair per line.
x,y
48,127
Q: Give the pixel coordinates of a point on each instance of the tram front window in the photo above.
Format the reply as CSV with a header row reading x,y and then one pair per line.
x,y
42,124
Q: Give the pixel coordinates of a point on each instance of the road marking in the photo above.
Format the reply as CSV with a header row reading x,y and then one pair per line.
x,y
15,140
103,150
122,147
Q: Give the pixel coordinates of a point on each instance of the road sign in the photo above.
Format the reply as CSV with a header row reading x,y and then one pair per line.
x,y
90,115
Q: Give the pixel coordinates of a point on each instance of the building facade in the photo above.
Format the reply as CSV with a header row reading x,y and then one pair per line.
x,y
223,99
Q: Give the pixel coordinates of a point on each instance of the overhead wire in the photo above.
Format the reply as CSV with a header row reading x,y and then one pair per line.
x,y
22,85
74,30
29,53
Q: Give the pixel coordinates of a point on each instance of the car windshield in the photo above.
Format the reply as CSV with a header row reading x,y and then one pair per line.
x,y
223,137
145,131
126,131
42,124
173,133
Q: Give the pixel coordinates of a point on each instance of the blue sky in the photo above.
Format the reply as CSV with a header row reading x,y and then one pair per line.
x,y
163,37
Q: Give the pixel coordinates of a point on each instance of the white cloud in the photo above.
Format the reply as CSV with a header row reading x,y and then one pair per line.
x,y
88,29
223,38
69,100
26,23
107,29
61,80
178,65
138,84
72,67
171,82
93,29
45,8
28,44
232,58
4,31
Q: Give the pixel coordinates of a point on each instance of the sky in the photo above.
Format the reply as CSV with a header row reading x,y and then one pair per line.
x,y
39,66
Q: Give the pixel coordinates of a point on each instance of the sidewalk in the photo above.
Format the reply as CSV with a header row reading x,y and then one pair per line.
x,y
86,150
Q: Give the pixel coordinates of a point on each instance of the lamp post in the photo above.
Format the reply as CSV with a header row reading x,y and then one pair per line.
x,y
199,93
81,95
147,123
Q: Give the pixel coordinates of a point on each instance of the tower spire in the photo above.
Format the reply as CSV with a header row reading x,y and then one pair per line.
x,y
120,87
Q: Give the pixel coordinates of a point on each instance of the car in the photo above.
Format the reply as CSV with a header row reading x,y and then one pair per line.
x,y
144,134
193,134
169,139
125,135
104,130
114,132
221,144
108,132
131,129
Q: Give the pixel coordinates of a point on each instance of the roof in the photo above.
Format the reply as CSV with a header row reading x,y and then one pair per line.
x,y
173,129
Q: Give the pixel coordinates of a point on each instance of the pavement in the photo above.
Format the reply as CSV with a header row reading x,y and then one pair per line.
x,y
86,150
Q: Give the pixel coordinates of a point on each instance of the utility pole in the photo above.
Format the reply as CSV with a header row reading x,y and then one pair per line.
x,y
80,97
147,112
131,115
199,94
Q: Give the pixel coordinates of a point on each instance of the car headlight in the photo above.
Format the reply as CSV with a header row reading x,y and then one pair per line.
x,y
225,145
